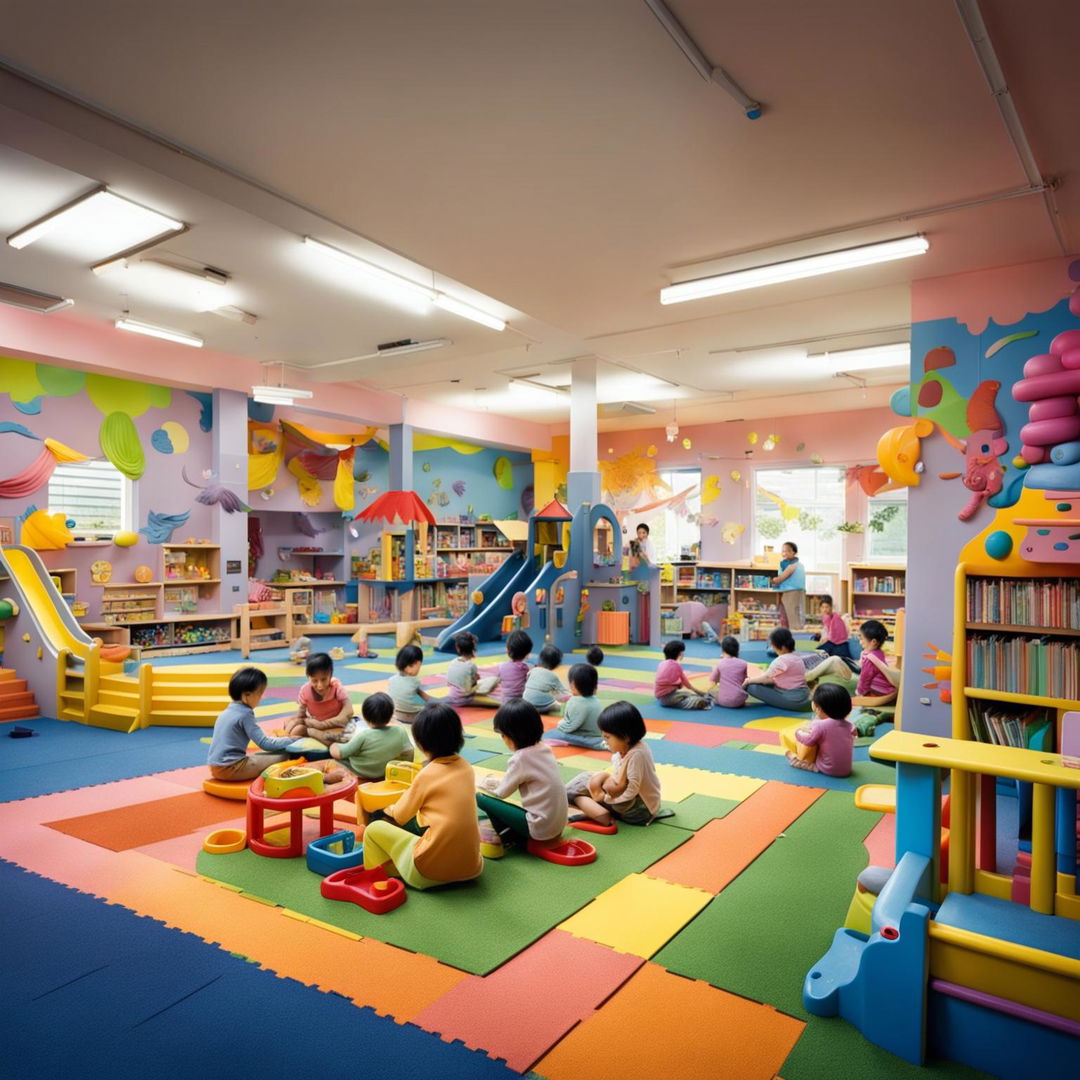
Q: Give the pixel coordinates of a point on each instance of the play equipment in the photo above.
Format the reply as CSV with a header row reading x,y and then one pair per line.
x,y
258,802
961,970
91,683
565,853
226,789
291,780
371,889
225,841
379,794
595,826
338,851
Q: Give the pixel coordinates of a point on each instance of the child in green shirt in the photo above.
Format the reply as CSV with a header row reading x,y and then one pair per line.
x,y
372,747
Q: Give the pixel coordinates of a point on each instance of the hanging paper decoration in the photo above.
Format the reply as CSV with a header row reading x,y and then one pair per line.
x,y
437,442
686,444
36,475
768,444
213,494
751,438
310,488
504,473
344,491
265,455
817,459
731,531
458,487
120,442
159,528
651,452
736,476
711,491
366,491
45,532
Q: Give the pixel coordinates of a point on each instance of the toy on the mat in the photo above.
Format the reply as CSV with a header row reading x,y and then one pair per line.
x,y
20,732
226,789
292,780
300,650
565,853
595,826
338,851
379,794
371,889
225,841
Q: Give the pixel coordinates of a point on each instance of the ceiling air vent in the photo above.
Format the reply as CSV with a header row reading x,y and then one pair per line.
x,y
31,300
625,408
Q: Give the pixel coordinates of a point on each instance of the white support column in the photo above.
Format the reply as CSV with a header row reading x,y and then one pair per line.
x,y
230,449
583,481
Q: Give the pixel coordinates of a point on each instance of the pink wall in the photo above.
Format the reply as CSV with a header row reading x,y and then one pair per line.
x,y
847,438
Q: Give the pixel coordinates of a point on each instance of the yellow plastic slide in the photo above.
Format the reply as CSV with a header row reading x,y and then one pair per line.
x,y
38,595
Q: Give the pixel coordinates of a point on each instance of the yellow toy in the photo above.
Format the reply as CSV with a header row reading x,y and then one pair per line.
x,y
292,779
899,451
379,794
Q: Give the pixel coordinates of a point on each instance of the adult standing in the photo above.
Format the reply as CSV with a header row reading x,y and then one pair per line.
x,y
791,583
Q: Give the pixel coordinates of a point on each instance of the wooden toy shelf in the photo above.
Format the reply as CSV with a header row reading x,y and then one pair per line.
x,y
870,588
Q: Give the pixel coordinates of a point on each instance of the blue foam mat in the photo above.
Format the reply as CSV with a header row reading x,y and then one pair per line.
x,y
121,995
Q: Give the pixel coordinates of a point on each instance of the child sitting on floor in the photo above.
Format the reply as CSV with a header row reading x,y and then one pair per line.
x,y
300,650
631,791
783,685
826,745
236,727
579,725
835,634
543,688
444,796
533,771
463,677
672,688
374,746
729,675
594,655
322,707
405,687
514,670
875,688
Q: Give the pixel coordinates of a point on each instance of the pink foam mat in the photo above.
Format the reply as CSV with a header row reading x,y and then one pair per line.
x,y
571,976
685,731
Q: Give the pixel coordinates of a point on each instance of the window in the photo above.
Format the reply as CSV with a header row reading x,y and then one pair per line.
x,y
804,505
886,526
670,530
95,494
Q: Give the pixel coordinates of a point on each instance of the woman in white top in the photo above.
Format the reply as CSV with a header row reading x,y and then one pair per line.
x,y
644,547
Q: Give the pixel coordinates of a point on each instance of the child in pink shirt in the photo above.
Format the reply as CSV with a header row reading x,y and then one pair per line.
x,y
729,675
322,706
514,670
672,688
827,745
783,685
874,688
835,634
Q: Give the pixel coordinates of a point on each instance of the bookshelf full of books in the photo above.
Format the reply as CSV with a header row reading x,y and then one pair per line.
x,y
876,592
1016,658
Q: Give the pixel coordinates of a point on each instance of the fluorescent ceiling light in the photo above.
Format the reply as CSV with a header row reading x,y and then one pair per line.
x,y
207,274
236,314
278,395
376,273
159,332
403,349
869,359
31,299
794,269
467,311
100,221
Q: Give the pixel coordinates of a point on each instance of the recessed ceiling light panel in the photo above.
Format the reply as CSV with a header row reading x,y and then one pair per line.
x,y
31,299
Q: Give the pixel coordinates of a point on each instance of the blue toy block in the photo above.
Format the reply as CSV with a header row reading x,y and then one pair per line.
x,y
338,851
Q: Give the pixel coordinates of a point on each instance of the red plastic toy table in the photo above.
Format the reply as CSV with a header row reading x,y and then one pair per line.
x,y
258,802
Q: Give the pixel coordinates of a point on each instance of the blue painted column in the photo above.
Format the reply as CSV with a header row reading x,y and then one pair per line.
x,y
230,446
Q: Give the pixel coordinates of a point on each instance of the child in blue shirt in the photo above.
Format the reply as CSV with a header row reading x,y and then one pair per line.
x,y
405,686
543,688
580,725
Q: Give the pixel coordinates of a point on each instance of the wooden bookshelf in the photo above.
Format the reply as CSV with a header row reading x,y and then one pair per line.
x,y
875,591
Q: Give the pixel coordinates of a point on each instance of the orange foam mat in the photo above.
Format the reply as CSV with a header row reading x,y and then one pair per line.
x,y
569,975
880,842
126,827
674,1027
720,850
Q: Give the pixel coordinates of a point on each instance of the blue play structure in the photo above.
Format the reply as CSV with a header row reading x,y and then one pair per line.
x,y
569,558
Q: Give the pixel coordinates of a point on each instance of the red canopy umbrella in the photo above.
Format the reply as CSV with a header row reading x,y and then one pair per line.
x,y
398,508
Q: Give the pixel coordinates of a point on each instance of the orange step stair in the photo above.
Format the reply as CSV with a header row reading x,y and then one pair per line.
x,y
16,699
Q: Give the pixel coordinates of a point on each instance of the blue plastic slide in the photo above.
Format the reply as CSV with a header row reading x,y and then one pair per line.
x,y
485,620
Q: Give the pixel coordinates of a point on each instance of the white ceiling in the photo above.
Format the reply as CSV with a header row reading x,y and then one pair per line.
x,y
552,162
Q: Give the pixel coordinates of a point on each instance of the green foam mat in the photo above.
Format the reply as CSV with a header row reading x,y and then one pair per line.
x,y
475,927
830,1047
698,810
795,895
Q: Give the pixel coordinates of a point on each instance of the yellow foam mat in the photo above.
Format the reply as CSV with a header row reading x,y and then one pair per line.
x,y
637,915
777,723
768,748
678,782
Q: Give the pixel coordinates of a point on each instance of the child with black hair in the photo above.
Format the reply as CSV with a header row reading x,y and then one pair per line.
x,y
443,795
783,684
534,772
580,725
876,686
373,747
835,633
514,670
631,791
463,676
405,687
236,727
729,675
543,688
826,745
594,655
323,709
672,688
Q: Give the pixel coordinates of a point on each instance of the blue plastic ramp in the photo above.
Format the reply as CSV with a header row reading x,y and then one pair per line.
x,y
485,620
